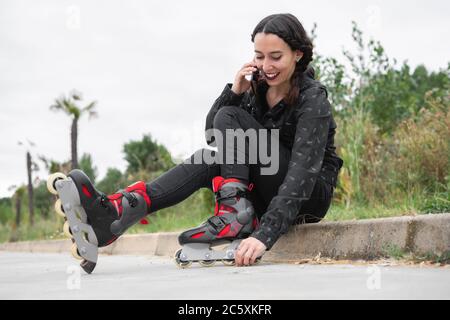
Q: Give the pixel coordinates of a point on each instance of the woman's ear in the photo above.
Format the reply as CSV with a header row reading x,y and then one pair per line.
x,y
298,55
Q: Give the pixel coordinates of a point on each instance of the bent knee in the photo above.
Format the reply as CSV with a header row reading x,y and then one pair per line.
x,y
227,111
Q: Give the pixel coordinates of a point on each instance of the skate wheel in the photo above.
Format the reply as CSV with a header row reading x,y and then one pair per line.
x,y
207,263
66,230
229,262
59,208
52,179
75,252
88,266
179,263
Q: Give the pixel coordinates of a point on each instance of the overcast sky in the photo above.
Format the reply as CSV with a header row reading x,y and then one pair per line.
x,y
157,66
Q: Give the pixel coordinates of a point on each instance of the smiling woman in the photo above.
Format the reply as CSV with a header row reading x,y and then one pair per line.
x,y
293,52
253,206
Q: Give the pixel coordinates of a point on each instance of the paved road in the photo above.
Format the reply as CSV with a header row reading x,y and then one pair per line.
x,y
55,276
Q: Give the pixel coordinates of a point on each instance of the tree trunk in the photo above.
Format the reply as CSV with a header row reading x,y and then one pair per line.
x,y
30,189
74,138
18,209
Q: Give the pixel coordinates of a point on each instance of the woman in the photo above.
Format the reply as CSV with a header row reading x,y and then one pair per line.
x,y
259,207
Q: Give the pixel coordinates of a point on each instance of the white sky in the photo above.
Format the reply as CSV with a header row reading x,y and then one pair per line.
x,y
157,66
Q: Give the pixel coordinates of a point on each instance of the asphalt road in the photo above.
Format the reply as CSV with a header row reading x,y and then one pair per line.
x,y
57,276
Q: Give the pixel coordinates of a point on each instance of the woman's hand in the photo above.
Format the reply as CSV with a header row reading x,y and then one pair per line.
x,y
247,252
241,84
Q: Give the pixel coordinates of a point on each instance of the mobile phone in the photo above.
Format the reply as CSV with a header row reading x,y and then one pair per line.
x,y
255,75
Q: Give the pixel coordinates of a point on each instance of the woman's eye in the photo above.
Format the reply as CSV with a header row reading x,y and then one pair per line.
x,y
274,58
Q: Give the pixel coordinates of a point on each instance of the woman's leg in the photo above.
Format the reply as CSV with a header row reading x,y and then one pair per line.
x,y
181,181
314,209
266,185
234,118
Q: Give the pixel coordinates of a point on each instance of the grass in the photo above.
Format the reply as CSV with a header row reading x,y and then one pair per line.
x,y
195,210
184,215
397,253
356,212
43,229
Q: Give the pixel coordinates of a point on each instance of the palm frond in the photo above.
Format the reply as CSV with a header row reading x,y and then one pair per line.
x,y
58,105
90,109
76,95
90,106
93,114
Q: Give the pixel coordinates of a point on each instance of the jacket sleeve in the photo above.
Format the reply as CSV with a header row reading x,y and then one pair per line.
x,y
226,98
307,155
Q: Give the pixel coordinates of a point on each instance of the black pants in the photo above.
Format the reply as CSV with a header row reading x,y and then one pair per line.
x,y
184,179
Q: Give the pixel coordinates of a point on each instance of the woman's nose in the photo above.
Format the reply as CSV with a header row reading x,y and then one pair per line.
x,y
265,65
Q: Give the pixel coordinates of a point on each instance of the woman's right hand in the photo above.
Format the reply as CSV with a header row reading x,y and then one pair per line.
x,y
241,84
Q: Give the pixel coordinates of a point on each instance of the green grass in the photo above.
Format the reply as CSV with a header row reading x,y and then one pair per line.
x,y
184,215
393,251
43,229
195,210
356,212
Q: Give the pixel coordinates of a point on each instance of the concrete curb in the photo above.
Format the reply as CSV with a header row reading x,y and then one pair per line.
x,y
360,239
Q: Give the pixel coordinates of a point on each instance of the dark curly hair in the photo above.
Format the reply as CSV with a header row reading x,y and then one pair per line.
x,y
287,27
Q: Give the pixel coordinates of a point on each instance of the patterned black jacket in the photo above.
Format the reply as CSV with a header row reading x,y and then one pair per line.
x,y
308,130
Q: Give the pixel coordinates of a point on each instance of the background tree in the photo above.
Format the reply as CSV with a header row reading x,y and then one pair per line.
x,y
112,181
43,200
31,166
86,164
69,106
53,166
146,155
18,196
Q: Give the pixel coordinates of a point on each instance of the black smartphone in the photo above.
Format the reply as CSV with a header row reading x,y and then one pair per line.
x,y
255,75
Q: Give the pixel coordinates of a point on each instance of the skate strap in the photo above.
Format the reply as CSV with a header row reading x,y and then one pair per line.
x,y
132,199
228,194
217,223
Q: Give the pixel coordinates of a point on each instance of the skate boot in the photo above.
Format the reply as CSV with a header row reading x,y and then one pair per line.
x,y
234,219
92,219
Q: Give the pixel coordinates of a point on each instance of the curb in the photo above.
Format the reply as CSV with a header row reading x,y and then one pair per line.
x,y
357,239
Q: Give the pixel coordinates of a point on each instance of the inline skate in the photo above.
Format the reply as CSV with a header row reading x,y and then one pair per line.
x,y
234,219
93,219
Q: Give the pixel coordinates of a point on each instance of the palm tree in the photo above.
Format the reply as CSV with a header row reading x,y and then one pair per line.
x,y
69,106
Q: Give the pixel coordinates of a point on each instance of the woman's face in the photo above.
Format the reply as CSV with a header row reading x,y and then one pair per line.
x,y
275,58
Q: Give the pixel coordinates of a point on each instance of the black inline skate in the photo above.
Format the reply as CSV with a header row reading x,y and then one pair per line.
x,y
234,219
93,219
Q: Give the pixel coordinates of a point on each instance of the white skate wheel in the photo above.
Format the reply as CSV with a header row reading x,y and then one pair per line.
x,y
207,263
229,262
179,263
74,251
52,179
59,209
66,229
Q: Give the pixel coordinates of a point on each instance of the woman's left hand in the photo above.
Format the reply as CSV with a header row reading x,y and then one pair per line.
x,y
247,252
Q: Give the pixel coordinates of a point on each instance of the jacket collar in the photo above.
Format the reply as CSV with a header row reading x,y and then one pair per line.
x,y
307,79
